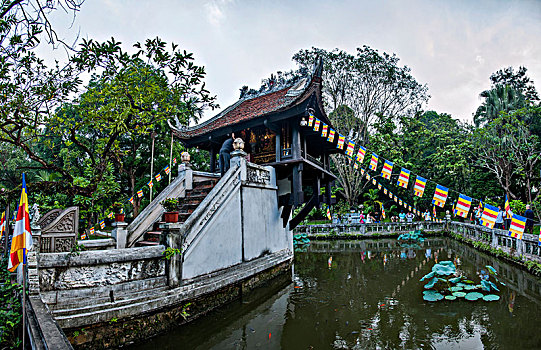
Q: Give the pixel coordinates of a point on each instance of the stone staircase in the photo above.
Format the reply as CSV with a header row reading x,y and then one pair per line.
x,y
194,197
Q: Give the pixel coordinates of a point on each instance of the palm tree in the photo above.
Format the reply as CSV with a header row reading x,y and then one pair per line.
x,y
501,98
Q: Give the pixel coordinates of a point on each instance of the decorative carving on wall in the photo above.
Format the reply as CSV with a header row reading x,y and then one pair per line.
x,y
257,175
46,219
59,230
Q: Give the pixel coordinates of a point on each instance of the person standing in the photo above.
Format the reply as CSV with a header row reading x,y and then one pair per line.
x,y
529,219
499,218
402,216
409,217
225,154
427,215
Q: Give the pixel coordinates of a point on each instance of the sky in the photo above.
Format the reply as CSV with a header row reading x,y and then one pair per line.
x,y
452,46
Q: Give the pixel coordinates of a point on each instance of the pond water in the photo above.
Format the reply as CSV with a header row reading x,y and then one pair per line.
x,y
367,295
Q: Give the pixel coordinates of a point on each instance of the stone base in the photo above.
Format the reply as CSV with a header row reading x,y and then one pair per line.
x,y
116,333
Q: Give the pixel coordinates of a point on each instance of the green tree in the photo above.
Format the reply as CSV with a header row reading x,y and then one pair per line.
x,y
500,99
517,80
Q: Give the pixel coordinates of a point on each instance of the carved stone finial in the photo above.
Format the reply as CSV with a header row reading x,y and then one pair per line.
x,y
35,214
238,144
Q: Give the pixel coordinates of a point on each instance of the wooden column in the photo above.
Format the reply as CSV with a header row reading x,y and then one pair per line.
x,y
298,195
278,147
296,142
213,159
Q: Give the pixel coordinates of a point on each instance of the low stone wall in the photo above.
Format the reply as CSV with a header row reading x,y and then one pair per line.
x,y
136,322
68,280
369,230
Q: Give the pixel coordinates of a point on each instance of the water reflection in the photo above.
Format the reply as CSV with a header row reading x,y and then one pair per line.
x,y
367,295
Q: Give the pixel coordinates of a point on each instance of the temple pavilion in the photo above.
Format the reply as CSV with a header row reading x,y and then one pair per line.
x,y
273,123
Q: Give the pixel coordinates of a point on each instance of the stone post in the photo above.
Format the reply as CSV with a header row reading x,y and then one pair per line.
x,y
120,234
172,238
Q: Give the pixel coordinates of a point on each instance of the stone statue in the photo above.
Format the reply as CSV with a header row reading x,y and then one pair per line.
x,y
35,214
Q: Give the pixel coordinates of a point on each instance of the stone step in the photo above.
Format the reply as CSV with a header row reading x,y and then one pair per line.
x,y
146,243
153,236
120,300
194,198
204,184
188,207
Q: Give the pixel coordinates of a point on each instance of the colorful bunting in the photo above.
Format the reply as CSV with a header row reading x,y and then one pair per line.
x,y
174,161
3,225
158,177
400,202
379,186
311,120
167,169
374,182
131,200
150,184
463,206
404,178
385,191
374,162
341,140
331,136
324,130
92,230
367,176
516,229
507,207
360,154
316,124
329,214
83,235
350,148
110,215
419,188
488,218
387,169
140,193
21,241
102,224
440,195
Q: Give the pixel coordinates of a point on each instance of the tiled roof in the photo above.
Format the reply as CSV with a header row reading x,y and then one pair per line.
x,y
246,109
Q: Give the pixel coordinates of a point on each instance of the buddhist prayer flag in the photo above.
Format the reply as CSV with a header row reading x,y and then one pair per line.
x,y
83,235
362,172
92,230
374,182
310,120
400,202
387,169
409,207
131,200
150,184
158,177
395,198
324,130
434,211
383,211
404,178
110,216
355,165
463,205
350,148
489,216
22,236
167,170
360,154
329,214
507,207
367,176
419,188
331,135
440,195
390,194
374,162
379,186
3,225
405,205
516,229
102,224
385,191
341,140
317,123
140,193
174,161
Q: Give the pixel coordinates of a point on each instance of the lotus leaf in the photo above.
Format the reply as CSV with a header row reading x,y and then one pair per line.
x,y
459,294
491,270
450,297
485,286
431,283
460,284
430,275
446,263
470,287
454,280
444,270
455,289
503,284
469,281
491,297
473,296
433,296
297,236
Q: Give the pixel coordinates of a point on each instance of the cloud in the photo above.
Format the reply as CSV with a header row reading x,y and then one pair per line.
x,y
215,11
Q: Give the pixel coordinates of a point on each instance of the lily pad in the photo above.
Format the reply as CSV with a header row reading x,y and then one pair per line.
x,y
459,294
456,289
432,296
454,280
469,281
427,276
491,297
431,283
491,270
470,287
473,296
444,268
450,297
